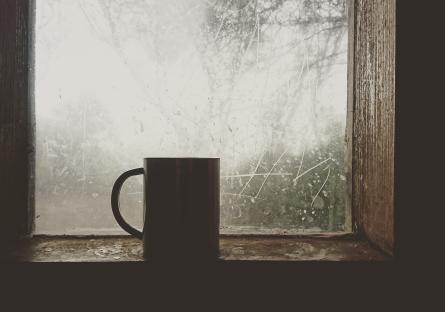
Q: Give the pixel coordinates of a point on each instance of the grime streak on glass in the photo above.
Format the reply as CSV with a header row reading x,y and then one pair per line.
x,y
259,83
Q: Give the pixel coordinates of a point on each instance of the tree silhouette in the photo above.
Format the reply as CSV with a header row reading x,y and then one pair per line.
x,y
263,63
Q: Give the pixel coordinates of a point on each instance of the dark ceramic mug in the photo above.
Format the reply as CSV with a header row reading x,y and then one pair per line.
x,y
181,208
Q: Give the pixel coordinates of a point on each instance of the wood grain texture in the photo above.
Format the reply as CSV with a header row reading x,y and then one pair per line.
x,y
370,130
126,249
15,217
373,120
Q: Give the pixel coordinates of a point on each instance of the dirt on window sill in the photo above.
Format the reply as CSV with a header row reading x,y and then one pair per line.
x,y
128,249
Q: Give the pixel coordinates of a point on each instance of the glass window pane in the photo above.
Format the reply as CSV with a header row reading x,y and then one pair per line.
x,y
259,83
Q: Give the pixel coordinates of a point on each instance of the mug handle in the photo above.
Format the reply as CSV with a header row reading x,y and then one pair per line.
x,y
115,201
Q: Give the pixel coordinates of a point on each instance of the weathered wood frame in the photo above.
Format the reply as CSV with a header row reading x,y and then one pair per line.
x,y
371,105
16,119
370,128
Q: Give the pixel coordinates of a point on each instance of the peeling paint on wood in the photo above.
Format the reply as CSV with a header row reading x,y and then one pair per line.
x,y
373,123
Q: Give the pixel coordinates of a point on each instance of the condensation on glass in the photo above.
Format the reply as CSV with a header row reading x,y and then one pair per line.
x,y
259,83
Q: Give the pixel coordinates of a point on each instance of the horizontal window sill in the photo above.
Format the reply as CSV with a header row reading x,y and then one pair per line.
x,y
232,248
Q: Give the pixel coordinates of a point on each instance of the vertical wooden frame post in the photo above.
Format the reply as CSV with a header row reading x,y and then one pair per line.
x,y
16,119
372,101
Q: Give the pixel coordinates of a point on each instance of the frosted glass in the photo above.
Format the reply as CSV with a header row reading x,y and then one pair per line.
x,y
259,83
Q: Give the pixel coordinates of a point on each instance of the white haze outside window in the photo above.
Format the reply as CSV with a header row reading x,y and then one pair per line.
x,y
259,83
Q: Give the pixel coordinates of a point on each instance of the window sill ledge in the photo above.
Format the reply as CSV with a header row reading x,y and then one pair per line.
x,y
232,248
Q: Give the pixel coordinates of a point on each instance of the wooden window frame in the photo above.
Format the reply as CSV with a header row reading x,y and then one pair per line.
x,y
370,125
